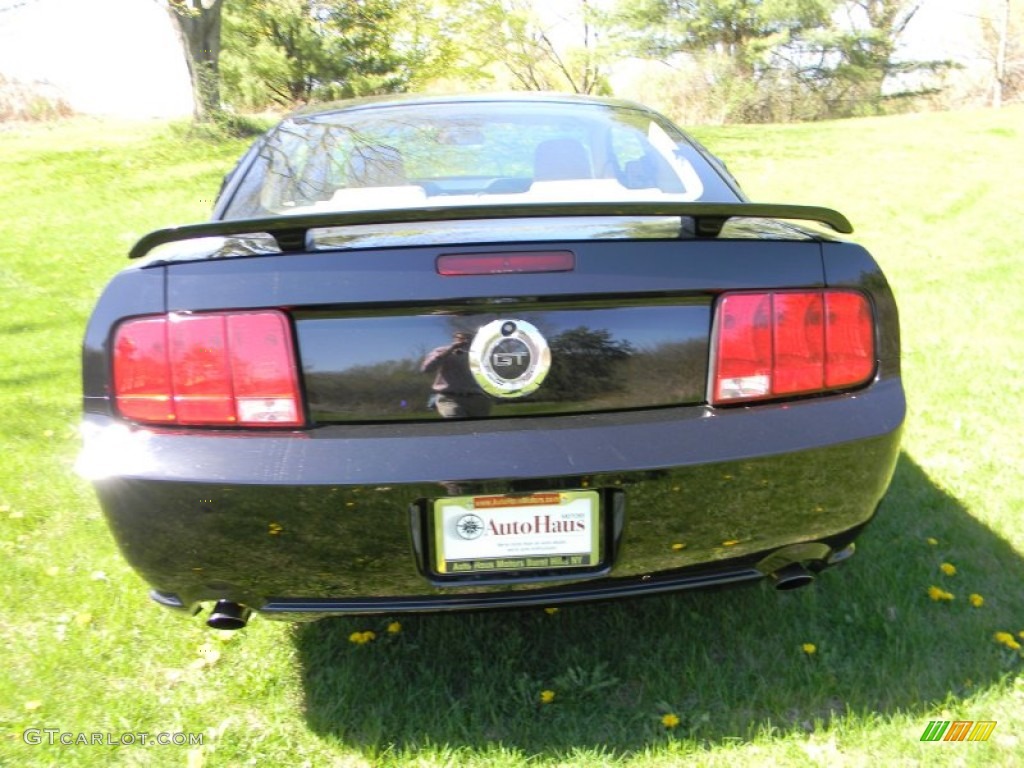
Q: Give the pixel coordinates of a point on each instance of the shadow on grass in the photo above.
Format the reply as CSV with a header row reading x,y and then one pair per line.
x,y
729,663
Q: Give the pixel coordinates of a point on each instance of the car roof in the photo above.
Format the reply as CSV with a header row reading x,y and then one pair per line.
x,y
515,97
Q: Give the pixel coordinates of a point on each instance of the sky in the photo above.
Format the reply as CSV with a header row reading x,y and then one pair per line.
x,y
116,57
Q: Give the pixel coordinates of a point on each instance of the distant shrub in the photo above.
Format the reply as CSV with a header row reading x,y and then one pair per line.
x,y
35,101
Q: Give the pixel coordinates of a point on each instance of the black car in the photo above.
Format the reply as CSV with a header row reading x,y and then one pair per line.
x,y
462,353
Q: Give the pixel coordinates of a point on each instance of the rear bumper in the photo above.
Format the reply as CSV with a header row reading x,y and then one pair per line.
x,y
332,520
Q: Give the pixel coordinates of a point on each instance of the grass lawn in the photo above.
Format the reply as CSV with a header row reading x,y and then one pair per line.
x,y
936,199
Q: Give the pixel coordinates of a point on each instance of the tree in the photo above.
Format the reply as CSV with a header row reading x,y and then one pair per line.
x,y
198,24
863,61
297,51
743,31
540,52
739,48
1002,43
785,59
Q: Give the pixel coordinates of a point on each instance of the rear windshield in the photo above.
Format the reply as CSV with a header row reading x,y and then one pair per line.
x,y
472,153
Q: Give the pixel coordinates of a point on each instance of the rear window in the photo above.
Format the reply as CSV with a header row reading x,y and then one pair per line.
x,y
472,153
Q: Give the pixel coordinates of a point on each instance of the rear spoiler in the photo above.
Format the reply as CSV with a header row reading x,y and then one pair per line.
x,y
290,231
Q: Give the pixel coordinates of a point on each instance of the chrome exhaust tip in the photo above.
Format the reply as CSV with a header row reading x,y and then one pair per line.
x,y
786,568
792,576
228,615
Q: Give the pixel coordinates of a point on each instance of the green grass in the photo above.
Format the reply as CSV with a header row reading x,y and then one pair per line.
x,y
933,196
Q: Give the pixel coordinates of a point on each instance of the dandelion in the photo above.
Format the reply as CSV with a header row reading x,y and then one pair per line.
x,y
937,594
932,542
730,543
809,648
394,628
1005,638
670,720
32,706
948,568
53,570
551,610
274,529
976,600
678,546
83,619
362,638
208,656
546,696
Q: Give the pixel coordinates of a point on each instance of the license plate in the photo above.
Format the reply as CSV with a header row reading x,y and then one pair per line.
x,y
540,531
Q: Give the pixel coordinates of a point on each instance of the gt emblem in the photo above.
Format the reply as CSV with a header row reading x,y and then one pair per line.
x,y
509,358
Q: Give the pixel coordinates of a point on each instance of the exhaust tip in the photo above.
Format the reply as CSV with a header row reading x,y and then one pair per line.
x,y
792,576
228,615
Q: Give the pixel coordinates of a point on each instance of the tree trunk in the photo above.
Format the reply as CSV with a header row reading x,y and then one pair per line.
x,y
198,25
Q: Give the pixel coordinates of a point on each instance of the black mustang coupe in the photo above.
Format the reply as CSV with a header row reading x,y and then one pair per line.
x,y
461,353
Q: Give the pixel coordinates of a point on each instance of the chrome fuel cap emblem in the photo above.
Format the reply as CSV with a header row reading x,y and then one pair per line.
x,y
509,358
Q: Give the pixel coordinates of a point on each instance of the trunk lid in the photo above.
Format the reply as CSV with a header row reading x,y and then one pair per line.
x,y
627,327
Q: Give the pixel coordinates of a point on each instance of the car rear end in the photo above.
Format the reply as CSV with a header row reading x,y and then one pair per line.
x,y
720,401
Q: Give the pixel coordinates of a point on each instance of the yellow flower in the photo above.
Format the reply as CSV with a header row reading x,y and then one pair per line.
x,y
1005,638
976,600
809,648
670,720
208,656
274,529
394,628
551,611
948,568
730,543
362,638
678,546
937,594
546,697
83,619
32,706
932,542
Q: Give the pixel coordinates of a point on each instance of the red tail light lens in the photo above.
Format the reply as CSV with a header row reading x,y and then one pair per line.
x,y
216,369
791,342
744,362
850,354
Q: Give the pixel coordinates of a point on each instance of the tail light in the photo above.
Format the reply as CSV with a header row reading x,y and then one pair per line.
x,y
455,264
213,369
789,343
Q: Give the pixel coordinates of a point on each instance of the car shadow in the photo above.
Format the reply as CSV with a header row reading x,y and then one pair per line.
x,y
728,663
